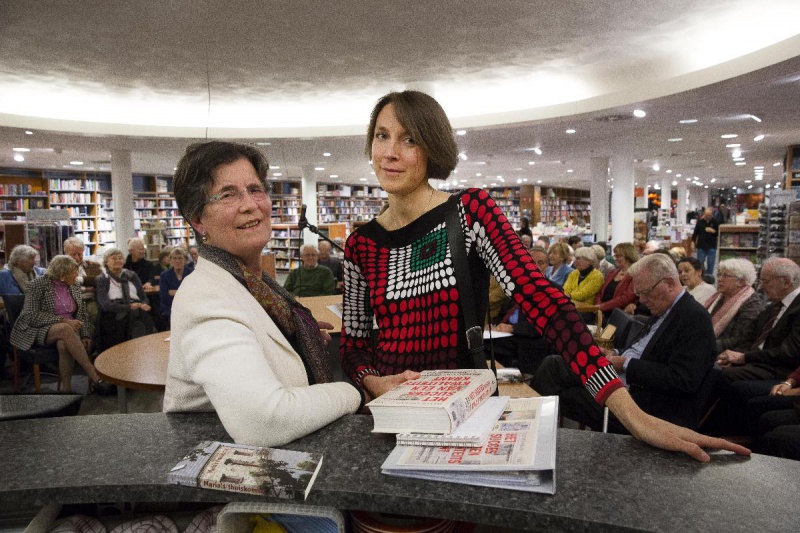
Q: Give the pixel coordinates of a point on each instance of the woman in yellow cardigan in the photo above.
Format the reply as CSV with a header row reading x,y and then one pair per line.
x,y
584,282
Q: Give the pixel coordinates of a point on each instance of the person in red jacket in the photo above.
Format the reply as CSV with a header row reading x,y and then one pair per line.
x,y
617,291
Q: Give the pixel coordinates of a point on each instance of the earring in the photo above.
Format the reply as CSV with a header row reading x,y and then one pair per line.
x,y
204,237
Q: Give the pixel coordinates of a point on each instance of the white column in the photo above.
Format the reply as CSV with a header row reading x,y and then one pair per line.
x,y
683,196
598,176
309,186
122,189
666,196
622,170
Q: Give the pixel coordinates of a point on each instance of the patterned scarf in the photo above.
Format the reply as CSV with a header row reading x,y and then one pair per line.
x,y
727,309
294,320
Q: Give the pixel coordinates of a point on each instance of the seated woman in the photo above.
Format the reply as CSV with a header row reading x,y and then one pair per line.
x,y
690,271
584,282
171,280
124,308
559,255
735,307
19,270
617,291
136,263
241,344
54,314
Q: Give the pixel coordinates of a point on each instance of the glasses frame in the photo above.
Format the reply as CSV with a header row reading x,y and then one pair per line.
x,y
238,195
647,292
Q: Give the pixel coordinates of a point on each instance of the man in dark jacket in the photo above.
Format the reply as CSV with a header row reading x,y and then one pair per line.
x,y
705,240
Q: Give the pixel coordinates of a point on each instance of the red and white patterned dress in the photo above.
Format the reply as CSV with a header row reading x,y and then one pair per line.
x,y
404,279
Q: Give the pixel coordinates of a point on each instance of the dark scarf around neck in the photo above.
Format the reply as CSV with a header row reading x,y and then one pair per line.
x,y
294,320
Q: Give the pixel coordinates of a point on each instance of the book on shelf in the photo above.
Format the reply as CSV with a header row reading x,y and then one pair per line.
x,y
473,433
520,453
272,472
438,402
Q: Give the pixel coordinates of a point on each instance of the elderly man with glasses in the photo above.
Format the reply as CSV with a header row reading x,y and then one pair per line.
x,y
665,364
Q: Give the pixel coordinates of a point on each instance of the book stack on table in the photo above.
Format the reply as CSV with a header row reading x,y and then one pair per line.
x,y
451,429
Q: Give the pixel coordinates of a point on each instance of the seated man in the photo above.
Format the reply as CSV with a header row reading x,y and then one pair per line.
x,y
776,351
311,279
665,364
334,263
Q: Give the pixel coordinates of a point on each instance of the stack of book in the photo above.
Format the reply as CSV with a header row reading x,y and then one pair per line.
x,y
461,434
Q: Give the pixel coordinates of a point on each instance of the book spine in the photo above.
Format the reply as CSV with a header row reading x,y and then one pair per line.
x,y
228,486
468,400
465,442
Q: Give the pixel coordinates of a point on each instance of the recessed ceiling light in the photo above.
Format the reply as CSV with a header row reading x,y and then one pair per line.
x,y
678,175
478,174
688,121
479,162
277,174
755,118
319,168
656,167
326,154
736,153
728,136
274,167
360,179
461,132
537,151
570,131
638,113
732,145
19,157
76,163
776,164
463,156
759,167
334,175
538,181
759,178
531,162
675,139
740,163
674,183
28,132
767,186
668,171
749,186
21,149
264,144
688,179
758,138
738,158
712,180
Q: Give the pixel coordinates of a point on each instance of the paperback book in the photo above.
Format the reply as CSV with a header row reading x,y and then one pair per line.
x,y
519,453
438,402
270,472
472,433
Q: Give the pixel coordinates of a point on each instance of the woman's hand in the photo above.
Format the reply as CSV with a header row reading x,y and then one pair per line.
x,y
145,307
378,385
784,389
73,323
662,434
326,337
503,328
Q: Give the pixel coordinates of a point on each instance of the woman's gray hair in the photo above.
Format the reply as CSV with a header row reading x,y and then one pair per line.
x,y
21,251
738,268
135,240
60,266
587,253
178,252
599,251
655,266
108,253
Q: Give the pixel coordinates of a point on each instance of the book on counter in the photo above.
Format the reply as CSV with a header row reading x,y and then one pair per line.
x,y
271,472
472,433
438,402
520,453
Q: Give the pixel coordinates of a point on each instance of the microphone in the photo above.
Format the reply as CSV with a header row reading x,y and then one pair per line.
x,y
303,222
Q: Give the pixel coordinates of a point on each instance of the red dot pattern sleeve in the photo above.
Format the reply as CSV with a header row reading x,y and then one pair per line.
x,y
542,302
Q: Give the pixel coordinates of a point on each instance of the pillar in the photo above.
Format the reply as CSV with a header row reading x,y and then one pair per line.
x,y
598,177
683,197
122,186
666,198
622,172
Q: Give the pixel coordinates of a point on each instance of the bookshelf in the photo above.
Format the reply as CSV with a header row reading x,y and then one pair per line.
x,y
287,201
84,197
508,200
792,168
20,190
559,206
348,203
284,244
738,241
154,201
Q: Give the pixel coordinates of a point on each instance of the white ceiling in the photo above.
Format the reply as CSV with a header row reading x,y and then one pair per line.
x,y
88,77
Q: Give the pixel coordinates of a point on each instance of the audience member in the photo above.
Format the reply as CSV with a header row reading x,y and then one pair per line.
x,y
691,273
775,352
241,345
124,307
88,272
651,247
575,242
527,241
677,253
333,263
54,314
617,291
603,265
136,263
163,259
665,365
705,240
193,255
559,255
170,281
543,241
585,281
19,270
311,279
735,307
525,227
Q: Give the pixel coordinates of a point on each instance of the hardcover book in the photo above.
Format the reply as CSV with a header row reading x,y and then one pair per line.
x,y
438,402
520,453
272,472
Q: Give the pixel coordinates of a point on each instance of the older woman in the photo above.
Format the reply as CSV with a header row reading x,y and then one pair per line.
x,y
19,270
136,263
584,282
241,345
617,290
559,255
54,314
735,307
123,303
690,271
170,281
398,273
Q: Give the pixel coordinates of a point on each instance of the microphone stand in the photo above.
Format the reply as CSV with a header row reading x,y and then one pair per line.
x,y
303,223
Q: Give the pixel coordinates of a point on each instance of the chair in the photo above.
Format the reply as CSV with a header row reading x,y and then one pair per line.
x,y
36,355
627,328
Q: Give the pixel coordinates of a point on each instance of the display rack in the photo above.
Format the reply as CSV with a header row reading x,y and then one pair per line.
x,y
772,219
286,202
737,241
285,244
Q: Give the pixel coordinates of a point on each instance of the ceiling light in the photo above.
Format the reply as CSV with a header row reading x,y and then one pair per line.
x,y
531,162
519,180
274,167
462,181
28,132
334,175
478,174
688,179
538,181
21,149
776,164
264,144
537,151
76,163
326,154
755,118
570,131
678,175
738,158
688,121
656,167
277,174
767,186
570,170
733,145
462,156
712,180
759,137
675,139
759,167
668,171
319,168
728,136
749,186
360,179
674,183
736,153
461,132
638,113
740,163
19,157
759,178
479,162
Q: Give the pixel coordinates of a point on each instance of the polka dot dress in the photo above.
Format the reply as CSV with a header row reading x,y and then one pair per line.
x,y
404,282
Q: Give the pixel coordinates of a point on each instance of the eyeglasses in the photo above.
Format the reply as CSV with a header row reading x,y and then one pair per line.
x,y
646,292
232,196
